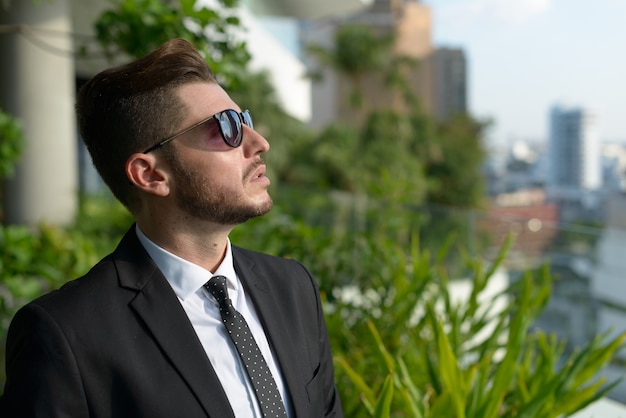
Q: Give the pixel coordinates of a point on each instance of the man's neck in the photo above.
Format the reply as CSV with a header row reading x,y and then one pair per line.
x,y
204,245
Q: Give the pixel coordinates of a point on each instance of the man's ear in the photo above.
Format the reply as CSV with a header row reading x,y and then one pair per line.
x,y
147,174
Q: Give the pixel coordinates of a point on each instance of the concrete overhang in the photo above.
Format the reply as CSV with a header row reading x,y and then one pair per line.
x,y
307,9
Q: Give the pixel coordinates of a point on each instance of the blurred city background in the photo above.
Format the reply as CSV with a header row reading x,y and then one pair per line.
x,y
540,80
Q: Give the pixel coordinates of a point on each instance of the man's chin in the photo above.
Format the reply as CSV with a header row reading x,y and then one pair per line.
x,y
242,216
265,208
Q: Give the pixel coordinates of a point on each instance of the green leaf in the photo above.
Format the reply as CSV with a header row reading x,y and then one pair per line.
x,y
387,358
383,404
443,406
410,392
356,379
451,374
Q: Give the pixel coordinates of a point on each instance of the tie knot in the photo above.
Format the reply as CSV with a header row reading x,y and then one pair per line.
x,y
217,287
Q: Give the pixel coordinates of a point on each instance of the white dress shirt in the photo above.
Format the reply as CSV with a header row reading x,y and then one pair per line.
x,y
187,280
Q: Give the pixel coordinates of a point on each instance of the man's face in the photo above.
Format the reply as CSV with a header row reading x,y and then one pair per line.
x,y
210,180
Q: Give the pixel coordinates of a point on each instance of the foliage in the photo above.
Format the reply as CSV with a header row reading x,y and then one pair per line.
x,y
358,54
454,164
36,260
403,157
396,157
326,161
358,51
408,348
405,345
392,150
136,27
392,164
380,167
308,228
41,259
103,219
11,144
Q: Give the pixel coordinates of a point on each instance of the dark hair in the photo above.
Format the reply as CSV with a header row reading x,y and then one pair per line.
x,y
126,109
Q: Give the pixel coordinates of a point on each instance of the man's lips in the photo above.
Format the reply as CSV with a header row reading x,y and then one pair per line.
x,y
256,171
259,173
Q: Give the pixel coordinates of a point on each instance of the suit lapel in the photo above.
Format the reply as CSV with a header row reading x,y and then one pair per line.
x,y
158,307
267,303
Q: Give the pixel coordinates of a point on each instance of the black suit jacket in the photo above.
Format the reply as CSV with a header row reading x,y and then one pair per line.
x,y
117,343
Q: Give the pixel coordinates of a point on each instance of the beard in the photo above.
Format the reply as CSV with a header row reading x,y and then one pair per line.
x,y
197,196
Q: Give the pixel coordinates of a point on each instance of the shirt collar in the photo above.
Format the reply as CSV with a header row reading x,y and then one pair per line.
x,y
185,277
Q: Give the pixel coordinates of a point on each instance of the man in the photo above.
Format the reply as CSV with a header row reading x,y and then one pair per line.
x,y
148,332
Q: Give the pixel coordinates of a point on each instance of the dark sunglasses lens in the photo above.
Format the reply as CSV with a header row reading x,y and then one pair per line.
x,y
247,119
230,126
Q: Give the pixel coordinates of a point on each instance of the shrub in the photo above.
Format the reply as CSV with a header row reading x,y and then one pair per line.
x,y
404,344
11,144
407,348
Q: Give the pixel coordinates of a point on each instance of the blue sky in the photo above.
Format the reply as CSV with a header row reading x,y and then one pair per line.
x,y
526,55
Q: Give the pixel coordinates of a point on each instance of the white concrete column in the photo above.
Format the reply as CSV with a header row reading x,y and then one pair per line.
x,y
37,85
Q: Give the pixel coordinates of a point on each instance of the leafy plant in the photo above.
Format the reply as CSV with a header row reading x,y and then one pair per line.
x,y
397,152
103,220
362,57
34,261
11,143
419,352
405,344
136,27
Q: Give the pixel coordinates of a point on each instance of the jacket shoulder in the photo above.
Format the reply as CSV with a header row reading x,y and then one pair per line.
x,y
268,262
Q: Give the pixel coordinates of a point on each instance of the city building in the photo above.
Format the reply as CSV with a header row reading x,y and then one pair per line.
x,y
438,77
574,151
575,173
450,82
608,286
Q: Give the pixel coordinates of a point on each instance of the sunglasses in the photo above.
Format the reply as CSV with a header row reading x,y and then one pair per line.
x,y
229,123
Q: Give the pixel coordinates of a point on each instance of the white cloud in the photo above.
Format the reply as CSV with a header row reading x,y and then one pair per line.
x,y
519,10
620,4
492,11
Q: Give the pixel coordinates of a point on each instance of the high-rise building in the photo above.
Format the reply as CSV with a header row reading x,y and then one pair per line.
x,y
449,70
438,80
574,152
409,22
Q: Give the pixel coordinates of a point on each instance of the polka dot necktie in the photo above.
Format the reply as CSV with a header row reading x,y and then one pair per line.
x,y
264,385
